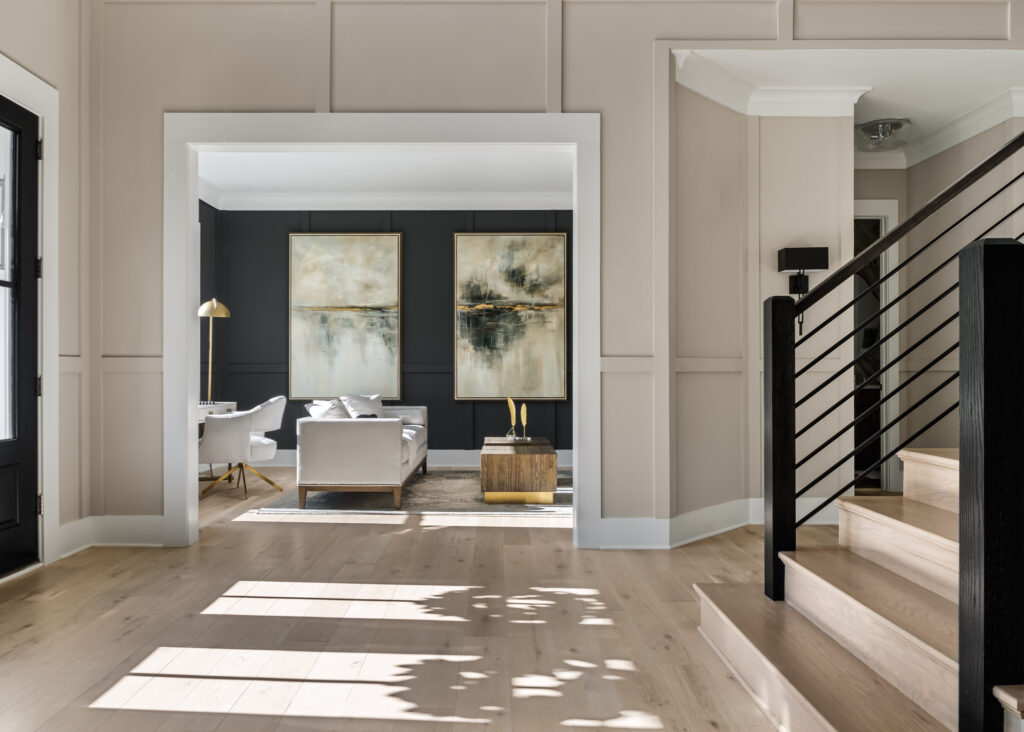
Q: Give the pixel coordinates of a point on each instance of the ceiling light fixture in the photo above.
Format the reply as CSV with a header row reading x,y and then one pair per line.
x,y
888,133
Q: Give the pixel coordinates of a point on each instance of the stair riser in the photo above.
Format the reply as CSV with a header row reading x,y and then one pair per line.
x,y
934,566
923,674
786,708
934,484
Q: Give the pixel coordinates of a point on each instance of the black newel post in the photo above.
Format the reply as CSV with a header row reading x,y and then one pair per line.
x,y
991,479
779,440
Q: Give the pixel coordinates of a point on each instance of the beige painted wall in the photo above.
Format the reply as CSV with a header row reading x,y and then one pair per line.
x,y
120,64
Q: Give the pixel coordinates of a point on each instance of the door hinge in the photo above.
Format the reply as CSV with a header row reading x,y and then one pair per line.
x,y
39,149
39,267
39,386
39,504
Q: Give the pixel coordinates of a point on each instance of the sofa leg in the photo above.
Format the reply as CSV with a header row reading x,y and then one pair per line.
x,y
302,497
398,497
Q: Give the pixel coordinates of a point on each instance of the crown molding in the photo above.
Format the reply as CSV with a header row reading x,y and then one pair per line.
x,y
398,201
708,79
885,160
1007,105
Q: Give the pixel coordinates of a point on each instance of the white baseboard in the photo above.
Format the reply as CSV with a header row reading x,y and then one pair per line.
x,y
110,531
442,459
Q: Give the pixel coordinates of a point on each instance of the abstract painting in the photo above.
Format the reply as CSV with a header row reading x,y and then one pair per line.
x,y
345,315
510,316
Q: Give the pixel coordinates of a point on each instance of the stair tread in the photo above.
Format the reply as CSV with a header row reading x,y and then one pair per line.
x,y
839,686
947,457
923,518
918,612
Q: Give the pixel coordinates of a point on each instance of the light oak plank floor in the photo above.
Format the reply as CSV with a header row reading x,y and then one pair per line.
x,y
372,623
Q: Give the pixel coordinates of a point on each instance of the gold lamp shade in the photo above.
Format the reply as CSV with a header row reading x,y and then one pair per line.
x,y
214,309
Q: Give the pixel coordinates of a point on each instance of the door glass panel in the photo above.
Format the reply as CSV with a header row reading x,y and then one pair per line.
x,y
6,201
6,293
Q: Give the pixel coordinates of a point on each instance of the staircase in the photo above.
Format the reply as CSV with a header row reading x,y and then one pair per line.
x,y
913,620
867,636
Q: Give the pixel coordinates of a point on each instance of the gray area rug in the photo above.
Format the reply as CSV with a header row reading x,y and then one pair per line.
x,y
441,491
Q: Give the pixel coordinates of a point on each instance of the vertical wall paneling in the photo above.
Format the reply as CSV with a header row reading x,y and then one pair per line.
x,y
554,56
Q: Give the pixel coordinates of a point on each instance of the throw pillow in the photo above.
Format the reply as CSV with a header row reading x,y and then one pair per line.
x,y
333,409
362,405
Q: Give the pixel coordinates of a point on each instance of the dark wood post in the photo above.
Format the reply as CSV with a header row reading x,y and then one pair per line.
x,y
991,483
779,440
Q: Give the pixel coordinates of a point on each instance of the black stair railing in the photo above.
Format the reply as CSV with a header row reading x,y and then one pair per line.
x,y
985,298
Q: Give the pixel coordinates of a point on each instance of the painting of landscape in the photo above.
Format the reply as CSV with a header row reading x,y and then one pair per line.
x,y
345,315
510,316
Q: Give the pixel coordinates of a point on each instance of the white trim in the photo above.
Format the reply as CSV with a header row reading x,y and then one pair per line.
x,y
885,160
984,117
187,134
888,211
700,74
110,531
434,201
26,89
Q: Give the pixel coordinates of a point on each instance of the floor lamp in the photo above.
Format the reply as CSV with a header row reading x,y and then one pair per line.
x,y
212,309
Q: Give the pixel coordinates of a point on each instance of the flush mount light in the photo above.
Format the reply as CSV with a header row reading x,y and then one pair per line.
x,y
887,133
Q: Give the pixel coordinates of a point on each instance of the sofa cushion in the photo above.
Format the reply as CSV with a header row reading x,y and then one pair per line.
x,y
416,433
361,405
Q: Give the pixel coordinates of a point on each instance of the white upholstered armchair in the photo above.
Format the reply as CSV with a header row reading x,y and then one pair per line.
x,y
362,455
239,440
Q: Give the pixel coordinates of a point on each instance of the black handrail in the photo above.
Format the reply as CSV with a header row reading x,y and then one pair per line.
x,y
856,264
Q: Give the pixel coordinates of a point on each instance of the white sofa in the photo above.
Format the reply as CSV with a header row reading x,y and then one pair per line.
x,y
362,455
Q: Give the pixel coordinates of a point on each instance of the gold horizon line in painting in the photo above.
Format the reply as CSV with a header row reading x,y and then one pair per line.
x,y
553,343
347,307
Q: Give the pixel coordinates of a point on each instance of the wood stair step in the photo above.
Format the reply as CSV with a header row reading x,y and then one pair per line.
x,y
916,540
802,678
905,633
932,476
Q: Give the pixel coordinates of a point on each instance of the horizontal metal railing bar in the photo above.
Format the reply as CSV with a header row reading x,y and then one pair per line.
x,y
896,270
818,359
803,430
882,430
878,462
960,185
803,400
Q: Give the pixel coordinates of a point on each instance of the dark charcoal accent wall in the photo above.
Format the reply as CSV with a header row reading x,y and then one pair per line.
x,y
245,264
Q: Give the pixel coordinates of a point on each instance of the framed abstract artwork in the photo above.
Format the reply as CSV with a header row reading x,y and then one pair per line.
x,y
345,315
510,316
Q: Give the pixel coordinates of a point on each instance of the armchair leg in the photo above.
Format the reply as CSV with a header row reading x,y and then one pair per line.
x,y
424,466
265,478
228,473
398,496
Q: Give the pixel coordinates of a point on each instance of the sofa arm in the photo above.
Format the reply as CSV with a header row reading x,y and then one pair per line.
x,y
349,451
409,415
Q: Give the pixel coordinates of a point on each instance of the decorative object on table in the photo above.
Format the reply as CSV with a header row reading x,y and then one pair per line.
x,y
514,471
512,414
510,316
345,315
523,420
212,309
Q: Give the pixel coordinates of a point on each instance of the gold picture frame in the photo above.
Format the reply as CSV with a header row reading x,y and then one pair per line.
x,y
511,316
344,298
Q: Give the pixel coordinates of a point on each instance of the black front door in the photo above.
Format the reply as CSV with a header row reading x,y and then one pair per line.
x,y
19,206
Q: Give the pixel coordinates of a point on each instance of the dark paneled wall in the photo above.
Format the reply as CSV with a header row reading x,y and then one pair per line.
x,y
244,263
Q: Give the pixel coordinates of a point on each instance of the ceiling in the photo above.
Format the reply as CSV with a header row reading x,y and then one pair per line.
x,y
391,177
933,87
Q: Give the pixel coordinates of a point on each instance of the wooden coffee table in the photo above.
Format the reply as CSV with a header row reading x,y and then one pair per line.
x,y
518,471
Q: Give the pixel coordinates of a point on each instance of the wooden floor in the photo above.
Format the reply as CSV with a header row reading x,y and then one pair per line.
x,y
372,623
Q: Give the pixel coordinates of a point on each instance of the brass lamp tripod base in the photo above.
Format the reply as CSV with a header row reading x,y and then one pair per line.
x,y
241,468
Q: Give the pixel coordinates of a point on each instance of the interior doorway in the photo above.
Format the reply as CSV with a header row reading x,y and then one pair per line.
x,y
873,219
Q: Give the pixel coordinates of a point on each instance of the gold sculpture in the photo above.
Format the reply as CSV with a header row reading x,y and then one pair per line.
x,y
512,412
522,414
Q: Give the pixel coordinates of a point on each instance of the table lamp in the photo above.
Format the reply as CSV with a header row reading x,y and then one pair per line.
x,y
212,309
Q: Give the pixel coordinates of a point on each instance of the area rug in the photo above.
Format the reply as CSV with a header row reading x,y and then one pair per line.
x,y
439,491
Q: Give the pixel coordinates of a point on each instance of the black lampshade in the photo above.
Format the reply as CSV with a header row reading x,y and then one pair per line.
x,y
803,259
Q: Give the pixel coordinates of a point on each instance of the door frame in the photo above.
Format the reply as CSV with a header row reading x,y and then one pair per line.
x,y
29,91
887,210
